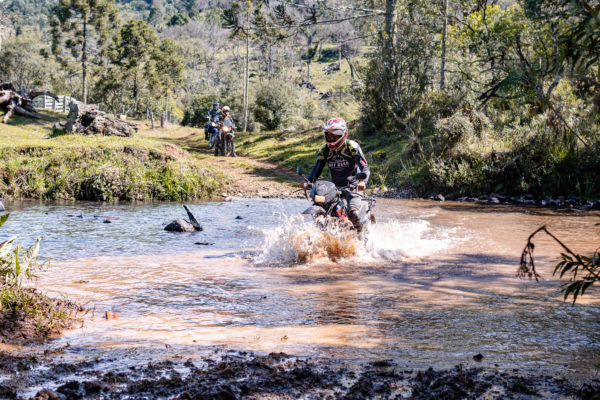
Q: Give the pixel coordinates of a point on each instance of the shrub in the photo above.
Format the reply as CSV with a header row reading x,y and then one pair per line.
x,y
195,114
275,104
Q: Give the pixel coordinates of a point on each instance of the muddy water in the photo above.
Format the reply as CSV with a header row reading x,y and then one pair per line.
x,y
432,285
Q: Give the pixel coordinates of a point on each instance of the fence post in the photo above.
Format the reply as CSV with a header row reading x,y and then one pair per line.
x,y
65,104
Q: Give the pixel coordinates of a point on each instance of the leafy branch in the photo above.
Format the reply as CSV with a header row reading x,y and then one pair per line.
x,y
588,268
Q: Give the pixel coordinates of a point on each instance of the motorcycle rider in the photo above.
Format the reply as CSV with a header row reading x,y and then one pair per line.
x,y
345,159
228,121
214,114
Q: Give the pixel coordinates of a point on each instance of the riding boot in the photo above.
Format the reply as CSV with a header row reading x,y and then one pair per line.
x,y
355,219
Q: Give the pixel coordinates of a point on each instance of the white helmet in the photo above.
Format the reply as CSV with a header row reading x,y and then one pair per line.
x,y
226,109
336,132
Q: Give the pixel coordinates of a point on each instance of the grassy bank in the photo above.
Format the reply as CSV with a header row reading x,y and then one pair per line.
x,y
462,154
34,163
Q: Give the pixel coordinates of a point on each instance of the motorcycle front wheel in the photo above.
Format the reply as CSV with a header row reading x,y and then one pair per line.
x,y
212,140
229,146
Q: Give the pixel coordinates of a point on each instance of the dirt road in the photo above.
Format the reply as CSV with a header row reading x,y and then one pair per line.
x,y
247,177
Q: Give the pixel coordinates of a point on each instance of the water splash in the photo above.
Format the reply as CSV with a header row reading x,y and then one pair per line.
x,y
299,241
399,240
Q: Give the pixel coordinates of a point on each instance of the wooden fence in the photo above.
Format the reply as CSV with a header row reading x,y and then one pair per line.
x,y
48,103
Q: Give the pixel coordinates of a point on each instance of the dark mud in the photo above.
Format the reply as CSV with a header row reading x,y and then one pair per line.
x,y
241,375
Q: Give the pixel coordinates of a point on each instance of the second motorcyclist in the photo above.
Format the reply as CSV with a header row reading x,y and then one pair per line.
x,y
345,159
213,115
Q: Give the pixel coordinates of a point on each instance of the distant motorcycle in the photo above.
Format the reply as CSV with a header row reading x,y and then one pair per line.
x,y
226,144
213,132
330,206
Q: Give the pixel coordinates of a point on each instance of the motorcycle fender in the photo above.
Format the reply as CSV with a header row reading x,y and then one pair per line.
x,y
315,211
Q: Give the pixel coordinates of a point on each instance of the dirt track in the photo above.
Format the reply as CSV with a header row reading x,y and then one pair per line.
x,y
253,178
247,177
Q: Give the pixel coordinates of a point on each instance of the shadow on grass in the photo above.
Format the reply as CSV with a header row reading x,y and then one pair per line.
x,y
45,119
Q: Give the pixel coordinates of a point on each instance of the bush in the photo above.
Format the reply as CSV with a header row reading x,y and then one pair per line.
x,y
275,104
195,114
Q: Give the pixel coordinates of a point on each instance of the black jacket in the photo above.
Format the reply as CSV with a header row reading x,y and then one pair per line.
x,y
346,161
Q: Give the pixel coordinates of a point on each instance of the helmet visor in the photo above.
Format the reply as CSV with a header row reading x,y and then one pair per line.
x,y
333,135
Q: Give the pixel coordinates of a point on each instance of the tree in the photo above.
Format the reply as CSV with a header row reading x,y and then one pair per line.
x,y
157,13
166,68
241,29
78,25
22,64
131,50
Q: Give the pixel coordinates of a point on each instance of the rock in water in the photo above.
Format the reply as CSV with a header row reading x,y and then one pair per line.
x,y
180,225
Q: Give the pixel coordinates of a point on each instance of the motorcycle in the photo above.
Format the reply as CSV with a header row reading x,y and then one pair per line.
x,y
227,138
213,132
330,206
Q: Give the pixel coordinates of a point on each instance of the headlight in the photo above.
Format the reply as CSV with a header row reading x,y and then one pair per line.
x,y
319,199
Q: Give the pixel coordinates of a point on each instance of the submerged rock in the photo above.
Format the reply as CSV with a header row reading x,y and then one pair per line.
x,y
47,394
180,225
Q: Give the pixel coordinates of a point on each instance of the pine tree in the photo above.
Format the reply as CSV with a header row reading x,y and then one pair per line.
x,y
77,25
165,69
131,50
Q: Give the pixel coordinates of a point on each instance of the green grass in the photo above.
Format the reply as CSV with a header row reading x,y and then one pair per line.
x,y
289,149
35,163
300,149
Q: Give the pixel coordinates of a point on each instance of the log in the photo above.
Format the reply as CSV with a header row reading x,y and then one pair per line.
x,y
7,86
89,120
20,101
193,219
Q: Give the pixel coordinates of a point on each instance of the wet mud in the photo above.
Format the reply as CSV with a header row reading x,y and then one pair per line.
x,y
244,375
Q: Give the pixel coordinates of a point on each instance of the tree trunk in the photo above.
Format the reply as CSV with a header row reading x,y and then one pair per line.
x,y
350,65
308,71
444,37
271,69
388,42
340,57
84,60
135,95
163,120
247,72
152,119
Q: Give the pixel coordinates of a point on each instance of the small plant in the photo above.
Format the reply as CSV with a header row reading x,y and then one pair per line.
x,y
13,266
27,310
584,271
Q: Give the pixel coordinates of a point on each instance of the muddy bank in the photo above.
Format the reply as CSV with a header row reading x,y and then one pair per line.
x,y
560,202
34,316
235,375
